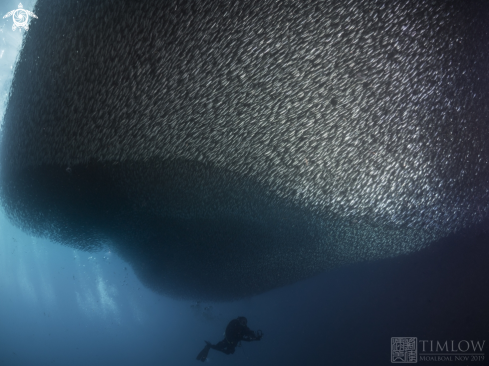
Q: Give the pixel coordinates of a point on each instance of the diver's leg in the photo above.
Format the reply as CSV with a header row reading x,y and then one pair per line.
x,y
224,346
202,356
221,346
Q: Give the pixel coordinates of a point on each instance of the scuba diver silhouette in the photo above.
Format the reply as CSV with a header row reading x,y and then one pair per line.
x,y
236,331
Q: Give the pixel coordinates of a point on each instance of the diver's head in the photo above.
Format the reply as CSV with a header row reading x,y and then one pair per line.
x,y
242,320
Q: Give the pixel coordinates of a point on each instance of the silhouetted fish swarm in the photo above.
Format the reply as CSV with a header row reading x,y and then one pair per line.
x,y
228,147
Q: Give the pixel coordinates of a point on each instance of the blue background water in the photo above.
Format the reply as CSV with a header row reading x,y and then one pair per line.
x,y
65,307
59,306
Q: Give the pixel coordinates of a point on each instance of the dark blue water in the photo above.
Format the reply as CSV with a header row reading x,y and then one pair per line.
x,y
59,306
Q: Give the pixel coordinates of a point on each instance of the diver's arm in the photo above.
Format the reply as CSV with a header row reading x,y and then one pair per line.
x,y
249,336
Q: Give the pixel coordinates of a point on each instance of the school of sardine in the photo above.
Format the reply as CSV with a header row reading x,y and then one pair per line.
x,y
227,148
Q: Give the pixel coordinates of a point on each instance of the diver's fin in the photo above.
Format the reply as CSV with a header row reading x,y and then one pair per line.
x,y
202,356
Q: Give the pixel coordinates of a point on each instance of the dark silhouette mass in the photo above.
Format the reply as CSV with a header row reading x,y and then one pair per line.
x,y
236,331
227,148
